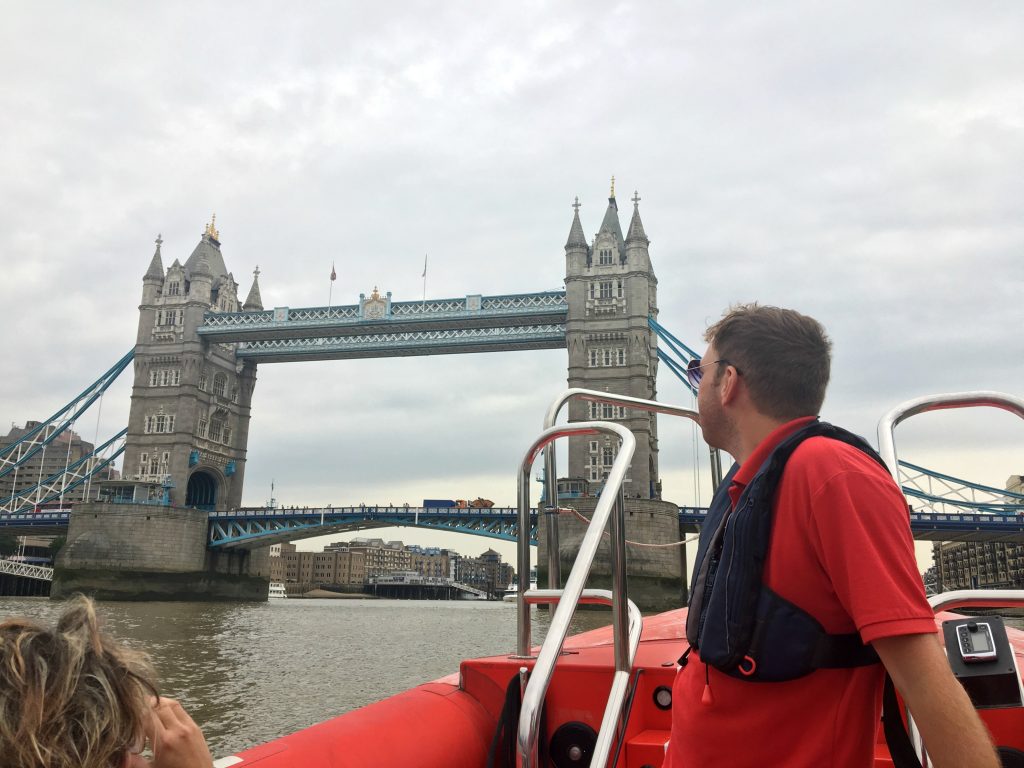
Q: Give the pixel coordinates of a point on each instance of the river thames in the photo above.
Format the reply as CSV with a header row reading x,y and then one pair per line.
x,y
250,672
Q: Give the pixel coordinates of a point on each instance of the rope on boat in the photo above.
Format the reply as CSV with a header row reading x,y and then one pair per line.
x,y
586,521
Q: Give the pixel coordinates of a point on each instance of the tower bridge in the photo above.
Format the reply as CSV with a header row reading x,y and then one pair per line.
x,y
172,528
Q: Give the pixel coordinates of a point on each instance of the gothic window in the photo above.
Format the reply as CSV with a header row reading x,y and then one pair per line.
x,y
606,289
165,459
216,425
143,461
202,382
161,423
149,425
592,290
201,429
607,356
154,465
174,288
227,435
593,358
220,383
620,356
593,446
154,377
619,285
608,455
605,256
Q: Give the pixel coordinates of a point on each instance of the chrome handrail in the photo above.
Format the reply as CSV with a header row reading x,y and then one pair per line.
x,y
903,411
977,598
610,507
551,476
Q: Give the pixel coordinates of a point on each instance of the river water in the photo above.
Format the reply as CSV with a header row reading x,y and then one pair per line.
x,y
250,672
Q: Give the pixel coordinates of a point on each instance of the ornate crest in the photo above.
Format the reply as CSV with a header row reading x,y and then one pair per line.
x,y
375,307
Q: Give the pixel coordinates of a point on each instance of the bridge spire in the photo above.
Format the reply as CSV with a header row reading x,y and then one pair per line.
x,y
576,237
254,301
636,227
156,266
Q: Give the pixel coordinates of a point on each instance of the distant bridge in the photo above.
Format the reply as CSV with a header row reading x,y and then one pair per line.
x,y
17,568
261,527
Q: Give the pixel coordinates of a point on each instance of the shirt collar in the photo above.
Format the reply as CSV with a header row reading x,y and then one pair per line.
x,y
754,461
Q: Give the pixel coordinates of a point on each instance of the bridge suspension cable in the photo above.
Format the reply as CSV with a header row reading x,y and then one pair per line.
x,y
35,440
72,476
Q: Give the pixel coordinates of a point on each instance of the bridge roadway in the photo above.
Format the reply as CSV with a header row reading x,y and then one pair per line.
x,y
378,327
259,527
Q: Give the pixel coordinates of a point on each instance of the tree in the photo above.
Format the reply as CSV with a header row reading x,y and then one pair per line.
x,y
8,544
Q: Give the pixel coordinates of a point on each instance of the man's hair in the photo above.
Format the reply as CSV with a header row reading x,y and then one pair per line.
x,y
70,696
784,357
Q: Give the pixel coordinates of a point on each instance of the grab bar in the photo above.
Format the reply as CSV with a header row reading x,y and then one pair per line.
x,y
887,424
551,476
625,622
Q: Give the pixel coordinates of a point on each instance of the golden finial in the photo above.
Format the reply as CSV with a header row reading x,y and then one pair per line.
x,y
211,228
613,186
375,295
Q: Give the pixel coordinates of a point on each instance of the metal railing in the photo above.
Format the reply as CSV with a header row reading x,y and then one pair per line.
x,y
903,411
626,619
25,570
551,475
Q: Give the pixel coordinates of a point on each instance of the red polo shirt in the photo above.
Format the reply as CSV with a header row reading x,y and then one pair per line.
x,y
841,549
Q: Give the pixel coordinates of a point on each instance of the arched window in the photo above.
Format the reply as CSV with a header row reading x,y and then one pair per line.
x,y
220,383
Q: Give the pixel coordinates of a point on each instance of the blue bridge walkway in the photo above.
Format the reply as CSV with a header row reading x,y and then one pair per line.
x,y
260,527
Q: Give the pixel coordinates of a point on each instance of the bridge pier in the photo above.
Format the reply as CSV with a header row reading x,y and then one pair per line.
x,y
151,552
654,573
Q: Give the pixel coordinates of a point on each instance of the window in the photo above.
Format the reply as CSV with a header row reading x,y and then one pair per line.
x,y
154,465
606,289
220,382
174,288
593,358
201,429
593,446
605,256
227,435
202,382
608,455
620,356
149,425
607,357
618,284
592,285
216,425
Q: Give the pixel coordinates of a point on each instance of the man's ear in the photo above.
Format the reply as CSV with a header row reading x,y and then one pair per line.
x,y
729,388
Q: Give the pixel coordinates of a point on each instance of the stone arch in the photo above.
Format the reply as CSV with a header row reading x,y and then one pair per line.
x,y
203,489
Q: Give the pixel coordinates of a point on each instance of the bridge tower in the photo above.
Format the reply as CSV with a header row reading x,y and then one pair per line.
x,y
611,290
189,419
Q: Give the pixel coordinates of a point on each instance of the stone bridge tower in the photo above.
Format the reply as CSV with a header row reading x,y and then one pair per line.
x,y
611,291
189,419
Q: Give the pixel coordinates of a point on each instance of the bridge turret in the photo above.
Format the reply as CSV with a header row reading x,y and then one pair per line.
x,y
611,348
577,252
153,280
189,418
254,301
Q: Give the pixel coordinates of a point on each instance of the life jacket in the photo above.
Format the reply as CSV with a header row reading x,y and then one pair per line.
x,y
736,623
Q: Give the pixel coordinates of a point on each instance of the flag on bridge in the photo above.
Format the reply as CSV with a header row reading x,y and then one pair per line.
x,y
334,275
424,265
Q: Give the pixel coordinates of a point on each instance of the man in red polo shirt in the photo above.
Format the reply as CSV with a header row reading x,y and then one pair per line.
x,y
840,549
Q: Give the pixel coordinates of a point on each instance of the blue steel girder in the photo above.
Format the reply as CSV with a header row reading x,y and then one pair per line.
x,y
434,342
925,526
284,323
252,528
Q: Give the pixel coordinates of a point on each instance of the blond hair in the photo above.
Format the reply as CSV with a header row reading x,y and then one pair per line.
x,y
70,697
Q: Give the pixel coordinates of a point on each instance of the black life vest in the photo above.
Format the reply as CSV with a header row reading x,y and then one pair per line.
x,y
737,624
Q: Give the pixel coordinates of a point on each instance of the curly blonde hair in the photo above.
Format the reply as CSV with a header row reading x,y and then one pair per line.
x,y
70,697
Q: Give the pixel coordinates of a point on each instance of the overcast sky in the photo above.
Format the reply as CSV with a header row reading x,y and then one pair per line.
x,y
858,161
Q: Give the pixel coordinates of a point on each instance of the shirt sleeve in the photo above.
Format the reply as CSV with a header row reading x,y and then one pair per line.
x,y
861,530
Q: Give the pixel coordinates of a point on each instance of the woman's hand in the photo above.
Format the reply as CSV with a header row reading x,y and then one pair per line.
x,y
177,741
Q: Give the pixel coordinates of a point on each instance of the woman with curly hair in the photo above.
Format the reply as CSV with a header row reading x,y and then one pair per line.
x,y
72,697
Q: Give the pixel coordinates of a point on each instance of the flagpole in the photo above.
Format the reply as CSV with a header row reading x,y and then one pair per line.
x,y
330,291
424,279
